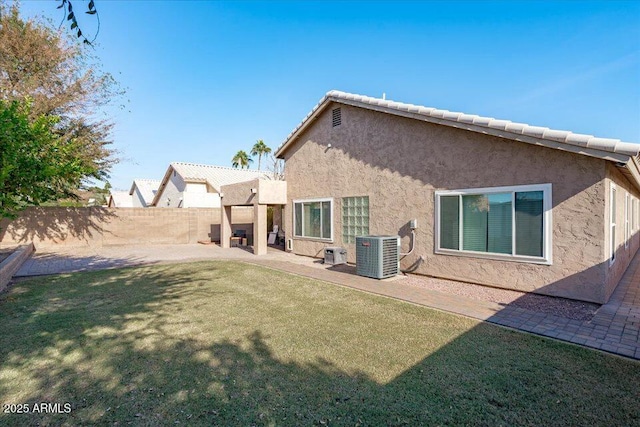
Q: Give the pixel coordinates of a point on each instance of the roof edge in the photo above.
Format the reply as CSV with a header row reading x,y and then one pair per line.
x,y
604,148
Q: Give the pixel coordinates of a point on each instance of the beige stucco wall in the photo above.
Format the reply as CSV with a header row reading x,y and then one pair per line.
x,y
400,162
47,227
267,193
624,253
239,194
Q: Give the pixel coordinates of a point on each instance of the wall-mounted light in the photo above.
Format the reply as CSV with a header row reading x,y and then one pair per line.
x,y
328,145
221,195
254,191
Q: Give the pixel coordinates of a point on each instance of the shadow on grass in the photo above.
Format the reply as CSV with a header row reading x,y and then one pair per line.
x,y
46,263
120,347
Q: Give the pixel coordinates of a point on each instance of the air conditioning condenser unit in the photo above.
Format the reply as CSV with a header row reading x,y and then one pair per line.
x,y
378,256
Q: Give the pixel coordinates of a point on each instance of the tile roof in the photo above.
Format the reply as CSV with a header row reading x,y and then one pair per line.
x,y
147,187
559,139
122,199
216,176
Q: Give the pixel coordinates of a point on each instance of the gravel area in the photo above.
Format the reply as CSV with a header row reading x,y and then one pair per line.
x,y
570,309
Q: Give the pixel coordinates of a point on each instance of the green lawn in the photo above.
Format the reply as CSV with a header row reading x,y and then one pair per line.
x,y
224,343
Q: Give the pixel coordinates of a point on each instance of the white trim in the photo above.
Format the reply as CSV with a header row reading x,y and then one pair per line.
x,y
547,224
612,243
324,199
627,226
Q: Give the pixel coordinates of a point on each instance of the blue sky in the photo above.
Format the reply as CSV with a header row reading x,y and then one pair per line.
x,y
206,79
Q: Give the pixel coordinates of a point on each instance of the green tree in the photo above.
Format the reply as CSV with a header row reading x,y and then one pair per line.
x,y
36,164
69,15
259,149
241,159
66,90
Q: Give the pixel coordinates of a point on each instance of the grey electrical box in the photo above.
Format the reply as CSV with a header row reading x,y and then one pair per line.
x,y
334,255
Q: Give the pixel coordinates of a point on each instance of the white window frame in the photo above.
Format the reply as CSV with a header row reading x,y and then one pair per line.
x,y
547,225
634,209
612,224
627,225
323,239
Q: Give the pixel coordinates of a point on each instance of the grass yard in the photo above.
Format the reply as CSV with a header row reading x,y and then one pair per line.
x,y
225,343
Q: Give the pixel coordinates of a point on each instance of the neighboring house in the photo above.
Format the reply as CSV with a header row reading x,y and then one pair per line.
x,y
143,191
120,199
498,203
189,185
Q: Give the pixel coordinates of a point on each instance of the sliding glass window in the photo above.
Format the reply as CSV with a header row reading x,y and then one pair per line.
x,y
504,222
313,219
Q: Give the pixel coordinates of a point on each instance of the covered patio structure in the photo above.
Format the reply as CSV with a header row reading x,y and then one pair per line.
x,y
258,193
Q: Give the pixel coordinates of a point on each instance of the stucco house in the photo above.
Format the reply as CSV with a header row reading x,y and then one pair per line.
x,y
190,185
120,199
497,203
143,191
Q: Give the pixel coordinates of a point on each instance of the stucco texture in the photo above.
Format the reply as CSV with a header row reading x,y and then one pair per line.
x,y
624,252
400,162
49,226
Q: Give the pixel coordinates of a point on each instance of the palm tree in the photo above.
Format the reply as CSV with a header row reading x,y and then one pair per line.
x,y
259,149
241,159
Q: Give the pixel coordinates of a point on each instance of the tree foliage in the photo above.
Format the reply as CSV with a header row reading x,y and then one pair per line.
x,y
259,149
241,160
276,168
69,15
36,164
46,78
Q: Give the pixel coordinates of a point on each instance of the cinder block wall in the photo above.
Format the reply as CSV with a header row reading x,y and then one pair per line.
x,y
99,226
9,266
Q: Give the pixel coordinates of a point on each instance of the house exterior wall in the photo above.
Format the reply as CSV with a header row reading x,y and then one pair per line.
x,y
180,194
138,200
624,252
200,200
172,193
399,163
196,187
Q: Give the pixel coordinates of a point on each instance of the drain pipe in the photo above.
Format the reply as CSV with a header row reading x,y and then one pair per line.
x,y
413,244
413,224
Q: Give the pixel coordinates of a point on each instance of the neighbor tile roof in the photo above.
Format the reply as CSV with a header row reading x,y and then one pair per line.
x,y
147,187
216,176
122,199
560,139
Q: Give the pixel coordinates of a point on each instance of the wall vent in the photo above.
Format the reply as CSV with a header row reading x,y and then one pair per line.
x,y
336,115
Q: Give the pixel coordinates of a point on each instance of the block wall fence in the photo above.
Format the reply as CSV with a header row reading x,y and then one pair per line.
x,y
98,226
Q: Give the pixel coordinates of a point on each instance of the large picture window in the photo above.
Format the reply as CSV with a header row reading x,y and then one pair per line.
x,y
511,223
313,218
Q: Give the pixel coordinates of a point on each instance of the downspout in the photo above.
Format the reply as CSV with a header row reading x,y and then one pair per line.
x,y
415,265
